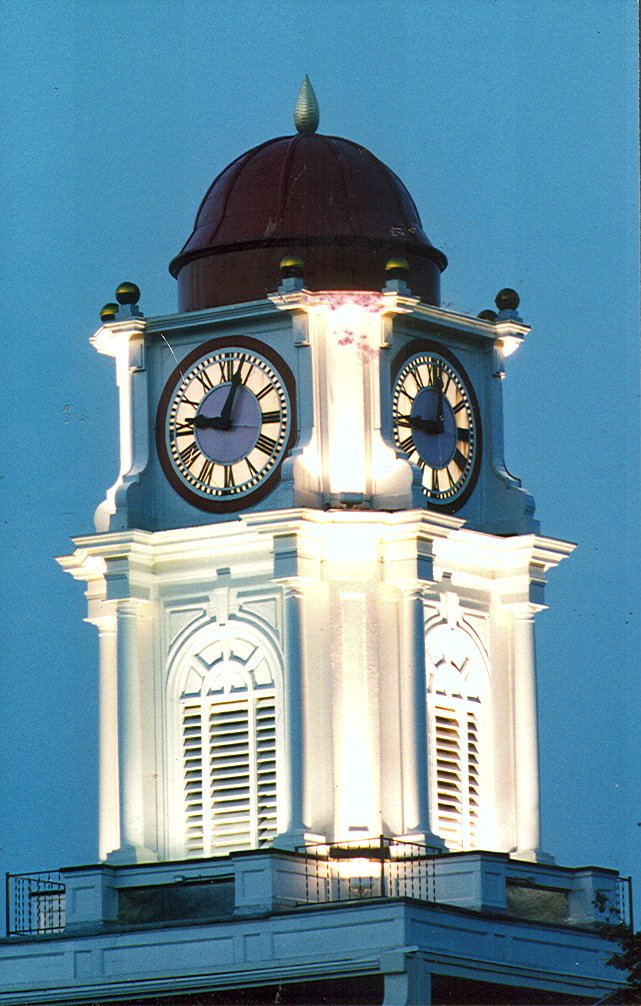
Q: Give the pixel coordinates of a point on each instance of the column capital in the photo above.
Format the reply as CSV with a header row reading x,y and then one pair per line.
x,y
524,611
131,607
294,587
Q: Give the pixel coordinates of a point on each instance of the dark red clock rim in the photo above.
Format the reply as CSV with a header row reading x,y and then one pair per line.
x,y
415,348
284,374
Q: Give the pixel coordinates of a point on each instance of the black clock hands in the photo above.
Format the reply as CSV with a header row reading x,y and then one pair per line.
x,y
440,418
201,422
225,415
223,421
424,425
432,426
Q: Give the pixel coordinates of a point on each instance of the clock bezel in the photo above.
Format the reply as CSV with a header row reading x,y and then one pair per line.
x,y
419,347
285,377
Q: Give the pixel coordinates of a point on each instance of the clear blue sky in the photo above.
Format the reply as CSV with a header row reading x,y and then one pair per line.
x,y
513,124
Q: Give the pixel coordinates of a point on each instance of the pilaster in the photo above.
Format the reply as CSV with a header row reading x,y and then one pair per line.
x,y
414,777
137,843
108,793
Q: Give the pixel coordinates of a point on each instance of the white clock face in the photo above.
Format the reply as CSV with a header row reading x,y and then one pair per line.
x,y
437,425
225,423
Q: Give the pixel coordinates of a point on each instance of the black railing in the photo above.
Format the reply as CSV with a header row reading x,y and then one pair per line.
x,y
624,901
368,868
35,904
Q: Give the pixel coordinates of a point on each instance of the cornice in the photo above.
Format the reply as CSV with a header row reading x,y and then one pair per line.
x,y
212,317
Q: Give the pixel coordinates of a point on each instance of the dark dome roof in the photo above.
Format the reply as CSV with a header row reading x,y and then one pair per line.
x,y
323,198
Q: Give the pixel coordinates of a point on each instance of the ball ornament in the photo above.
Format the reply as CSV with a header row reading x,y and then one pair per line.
x,y
397,268
128,293
291,267
507,299
108,313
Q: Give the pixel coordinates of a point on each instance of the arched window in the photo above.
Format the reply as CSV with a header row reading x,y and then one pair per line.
x,y
457,699
225,698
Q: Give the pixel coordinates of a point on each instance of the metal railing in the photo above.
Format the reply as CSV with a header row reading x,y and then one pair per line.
x,y
372,868
624,901
35,904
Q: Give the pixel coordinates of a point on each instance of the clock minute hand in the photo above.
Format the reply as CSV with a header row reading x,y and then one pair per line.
x,y
225,415
440,418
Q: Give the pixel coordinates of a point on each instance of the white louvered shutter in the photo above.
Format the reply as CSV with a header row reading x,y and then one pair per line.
x,y
473,779
449,784
193,778
265,771
229,772
230,776
456,782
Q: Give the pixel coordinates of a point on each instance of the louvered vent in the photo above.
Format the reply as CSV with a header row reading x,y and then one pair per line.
x,y
473,779
231,803
193,777
266,770
456,776
448,775
229,763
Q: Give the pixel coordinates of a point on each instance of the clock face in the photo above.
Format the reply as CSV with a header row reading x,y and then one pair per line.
x,y
436,423
225,423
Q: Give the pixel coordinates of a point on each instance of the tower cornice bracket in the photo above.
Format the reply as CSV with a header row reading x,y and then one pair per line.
x,y
513,568
123,562
109,339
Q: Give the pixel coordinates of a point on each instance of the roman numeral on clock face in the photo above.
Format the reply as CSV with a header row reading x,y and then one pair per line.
x,y
206,471
407,445
203,377
189,454
226,370
265,444
270,417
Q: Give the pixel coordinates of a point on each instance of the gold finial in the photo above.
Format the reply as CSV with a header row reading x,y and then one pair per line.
x,y
306,113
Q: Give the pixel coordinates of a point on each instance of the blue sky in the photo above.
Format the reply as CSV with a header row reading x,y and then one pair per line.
x,y
513,124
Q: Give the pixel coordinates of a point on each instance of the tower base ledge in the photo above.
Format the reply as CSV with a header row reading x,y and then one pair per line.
x,y
534,856
131,854
293,840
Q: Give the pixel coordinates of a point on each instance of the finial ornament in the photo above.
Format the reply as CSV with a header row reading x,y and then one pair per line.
x,y
306,112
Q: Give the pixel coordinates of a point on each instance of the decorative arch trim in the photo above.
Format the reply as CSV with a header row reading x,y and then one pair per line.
x,y
458,701
223,696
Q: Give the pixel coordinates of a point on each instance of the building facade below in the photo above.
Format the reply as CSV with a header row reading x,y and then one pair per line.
x,y
387,922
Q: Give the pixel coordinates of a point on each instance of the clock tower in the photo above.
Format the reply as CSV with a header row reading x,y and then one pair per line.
x,y
314,580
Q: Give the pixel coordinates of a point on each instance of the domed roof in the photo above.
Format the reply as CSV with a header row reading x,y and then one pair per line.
x,y
324,198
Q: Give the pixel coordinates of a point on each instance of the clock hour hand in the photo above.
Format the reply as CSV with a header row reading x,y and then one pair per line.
x,y
201,422
418,423
225,415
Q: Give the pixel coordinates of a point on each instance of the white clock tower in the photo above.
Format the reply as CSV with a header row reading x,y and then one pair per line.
x,y
314,584
314,581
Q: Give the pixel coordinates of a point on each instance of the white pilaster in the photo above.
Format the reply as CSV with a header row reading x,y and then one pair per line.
x,y
108,808
414,780
526,750
291,797
132,774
